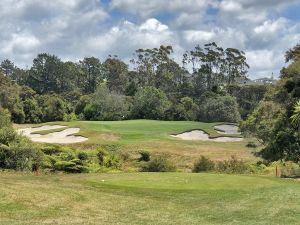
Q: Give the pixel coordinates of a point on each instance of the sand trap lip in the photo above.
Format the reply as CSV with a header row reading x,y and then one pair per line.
x,y
227,129
202,136
62,137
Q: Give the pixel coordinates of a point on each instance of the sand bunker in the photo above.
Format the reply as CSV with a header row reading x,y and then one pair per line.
x,y
62,137
202,136
227,129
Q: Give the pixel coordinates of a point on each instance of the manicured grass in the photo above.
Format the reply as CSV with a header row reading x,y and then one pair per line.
x,y
147,198
132,131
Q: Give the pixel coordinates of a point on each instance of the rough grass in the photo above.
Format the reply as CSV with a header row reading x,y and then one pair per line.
x,y
147,198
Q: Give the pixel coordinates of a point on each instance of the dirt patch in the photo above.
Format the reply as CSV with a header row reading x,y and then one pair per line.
x,y
62,137
202,136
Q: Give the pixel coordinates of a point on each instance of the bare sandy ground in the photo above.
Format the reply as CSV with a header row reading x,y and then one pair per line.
x,y
202,136
62,137
227,129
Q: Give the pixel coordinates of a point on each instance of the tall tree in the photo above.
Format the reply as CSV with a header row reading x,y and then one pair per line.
x,y
7,67
147,61
93,73
116,73
46,74
235,64
213,66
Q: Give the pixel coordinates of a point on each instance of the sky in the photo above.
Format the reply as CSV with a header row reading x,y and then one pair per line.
x,y
74,29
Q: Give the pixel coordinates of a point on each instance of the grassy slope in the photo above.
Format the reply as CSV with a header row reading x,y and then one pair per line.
x,y
145,198
154,136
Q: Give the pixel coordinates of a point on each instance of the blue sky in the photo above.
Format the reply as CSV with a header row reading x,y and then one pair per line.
x,y
74,29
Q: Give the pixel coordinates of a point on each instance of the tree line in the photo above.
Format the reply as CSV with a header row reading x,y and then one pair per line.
x,y
153,86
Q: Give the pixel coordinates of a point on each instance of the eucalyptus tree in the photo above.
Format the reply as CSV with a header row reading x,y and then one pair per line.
x,y
235,65
212,66
207,66
147,61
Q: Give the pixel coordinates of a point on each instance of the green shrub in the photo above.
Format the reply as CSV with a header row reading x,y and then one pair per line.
x,y
70,117
219,109
49,162
150,103
83,156
51,149
144,156
20,157
290,169
33,113
158,164
7,135
4,118
66,156
66,166
203,164
112,161
251,144
101,153
232,165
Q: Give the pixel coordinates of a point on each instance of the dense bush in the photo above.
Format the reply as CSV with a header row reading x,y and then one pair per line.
x,y
203,164
112,161
247,96
101,154
33,113
150,103
51,149
105,105
83,156
251,144
69,117
20,157
70,167
219,109
158,164
290,169
7,135
54,108
232,165
144,156
4,118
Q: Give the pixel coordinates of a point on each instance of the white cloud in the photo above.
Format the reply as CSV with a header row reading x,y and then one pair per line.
x,y
77,28
230,6
271,27
199,36
145,8
153,24
125,38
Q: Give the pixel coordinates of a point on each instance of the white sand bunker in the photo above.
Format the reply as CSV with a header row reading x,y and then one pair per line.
x,y
227,129
61,137
202,136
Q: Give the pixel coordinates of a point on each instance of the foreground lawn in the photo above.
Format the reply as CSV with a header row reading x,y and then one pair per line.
x,y
154,136
147,198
